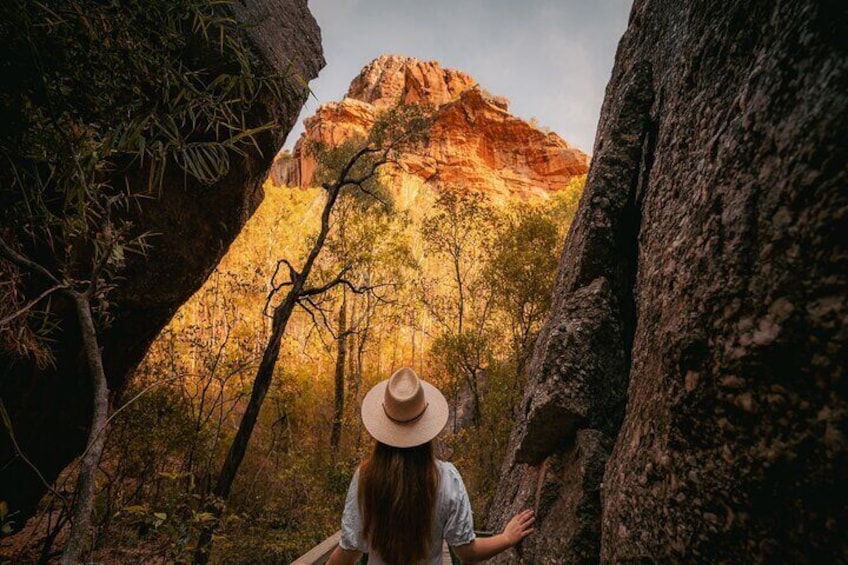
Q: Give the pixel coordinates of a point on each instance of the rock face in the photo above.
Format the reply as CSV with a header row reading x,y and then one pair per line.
x,y
50,407
686,400
474,142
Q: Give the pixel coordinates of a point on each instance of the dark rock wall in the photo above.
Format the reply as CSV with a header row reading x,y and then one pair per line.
x,y
687,398
50,408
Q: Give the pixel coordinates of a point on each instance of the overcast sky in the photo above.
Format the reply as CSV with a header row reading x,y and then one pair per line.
x,y
551,58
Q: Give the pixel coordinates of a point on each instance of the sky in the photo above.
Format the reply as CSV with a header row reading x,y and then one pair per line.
x,y
551,58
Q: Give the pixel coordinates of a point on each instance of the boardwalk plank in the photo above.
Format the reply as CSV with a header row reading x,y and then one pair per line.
x,y
446,558
321,552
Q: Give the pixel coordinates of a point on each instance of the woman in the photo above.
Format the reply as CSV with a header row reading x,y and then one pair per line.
x,y
402,501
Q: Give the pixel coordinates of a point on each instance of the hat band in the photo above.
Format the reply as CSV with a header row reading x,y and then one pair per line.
x,y
408,420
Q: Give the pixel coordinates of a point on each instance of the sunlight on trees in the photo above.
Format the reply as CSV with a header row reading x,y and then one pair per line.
x,y
460,292
350,169
457,288
494,265
294,475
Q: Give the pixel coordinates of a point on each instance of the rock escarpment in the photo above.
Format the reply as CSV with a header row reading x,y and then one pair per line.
x,y
195,224
474,141
686,400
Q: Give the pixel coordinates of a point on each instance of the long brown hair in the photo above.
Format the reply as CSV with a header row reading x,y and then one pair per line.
x,y
398,488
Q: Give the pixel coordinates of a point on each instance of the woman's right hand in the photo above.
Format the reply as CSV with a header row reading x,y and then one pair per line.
x,y
481,549
519,527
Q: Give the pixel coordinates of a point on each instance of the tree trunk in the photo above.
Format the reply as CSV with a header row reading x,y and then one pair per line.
x,y
238,448
86,483
357,377
476,415
264,374
341,354
282,314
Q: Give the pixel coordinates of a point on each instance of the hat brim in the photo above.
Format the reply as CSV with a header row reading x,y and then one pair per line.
x,y
407,434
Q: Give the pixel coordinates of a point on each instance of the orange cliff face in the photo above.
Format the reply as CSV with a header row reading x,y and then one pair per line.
x,y
474,141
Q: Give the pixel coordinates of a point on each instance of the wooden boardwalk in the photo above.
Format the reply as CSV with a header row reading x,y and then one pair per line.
x,y
446,558
319,554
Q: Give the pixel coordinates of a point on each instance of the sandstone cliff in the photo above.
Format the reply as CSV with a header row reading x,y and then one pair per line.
x,y
686,400
195,224
474,141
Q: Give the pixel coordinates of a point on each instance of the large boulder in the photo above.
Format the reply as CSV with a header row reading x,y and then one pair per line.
x,y
50,406
697,338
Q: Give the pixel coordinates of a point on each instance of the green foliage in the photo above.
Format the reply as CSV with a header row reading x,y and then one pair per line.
x,y
100,98
520,270
563,205
288,493
479,451
459,232
521,266
462,259
359,198
396,130
503,270
103,86
460,218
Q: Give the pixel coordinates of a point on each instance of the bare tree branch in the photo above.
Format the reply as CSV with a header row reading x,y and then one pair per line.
x,y
364,178
7,423
27,264
32,303
352,163
293,273
375,196
339,279
275,288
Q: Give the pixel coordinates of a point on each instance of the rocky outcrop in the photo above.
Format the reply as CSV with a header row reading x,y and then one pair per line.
x,y
474,141
686,401
392,79
50,407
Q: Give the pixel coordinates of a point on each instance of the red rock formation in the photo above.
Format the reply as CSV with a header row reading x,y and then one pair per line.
x,y
391,79
474,142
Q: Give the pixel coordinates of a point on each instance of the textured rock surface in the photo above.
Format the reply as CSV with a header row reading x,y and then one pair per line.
x,y
716,210
387,80
474,142
196,224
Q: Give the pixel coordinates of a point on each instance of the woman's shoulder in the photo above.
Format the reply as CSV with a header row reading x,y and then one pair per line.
x,y
449,473
453,498
446,466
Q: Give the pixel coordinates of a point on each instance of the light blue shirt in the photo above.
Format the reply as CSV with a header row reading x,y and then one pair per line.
x,y
454,522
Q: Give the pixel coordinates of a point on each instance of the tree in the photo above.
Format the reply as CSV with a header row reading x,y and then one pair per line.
x,y
397,130
375,244
88,293
460,230
338,375
367,238
351,247
520,271
105,100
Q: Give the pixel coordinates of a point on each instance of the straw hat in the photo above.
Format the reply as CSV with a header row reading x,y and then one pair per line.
x,y
404,411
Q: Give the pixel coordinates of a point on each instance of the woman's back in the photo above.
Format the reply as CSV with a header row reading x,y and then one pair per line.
x,y
402,502
452,522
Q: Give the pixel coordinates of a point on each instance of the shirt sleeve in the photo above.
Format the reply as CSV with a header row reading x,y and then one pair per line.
x,y
352,520
459,527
